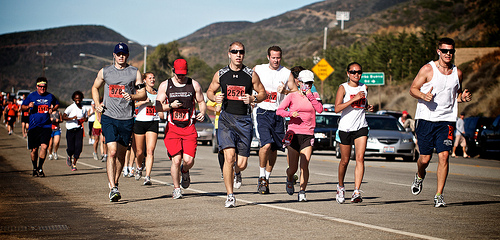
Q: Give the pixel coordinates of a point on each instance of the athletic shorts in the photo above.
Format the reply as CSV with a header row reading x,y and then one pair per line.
x,y
11,120
460,140
119,131
96,131
301,141
25,119
181,140
432,135
271,129
55,133
38,136
235,131
143,127
347,138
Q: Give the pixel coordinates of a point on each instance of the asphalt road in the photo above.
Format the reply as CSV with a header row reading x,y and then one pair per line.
x,y
75,205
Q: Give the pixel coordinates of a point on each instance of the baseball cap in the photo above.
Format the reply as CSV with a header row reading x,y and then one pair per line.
x,y
121,48
405,112
306,76
180,66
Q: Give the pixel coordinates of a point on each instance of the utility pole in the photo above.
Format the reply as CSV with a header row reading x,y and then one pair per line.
x,y
45,54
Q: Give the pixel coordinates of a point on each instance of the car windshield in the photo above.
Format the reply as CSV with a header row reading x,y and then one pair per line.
x,y
327,121
385,123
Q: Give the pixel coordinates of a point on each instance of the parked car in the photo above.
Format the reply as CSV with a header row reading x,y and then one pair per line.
x,y
205,130
387,138
396,114
473,127
328,107
22,92
87,103
326,128
490,138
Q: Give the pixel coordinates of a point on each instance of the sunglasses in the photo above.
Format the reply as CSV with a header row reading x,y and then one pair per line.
x,y
354,72
445,51
42,86
234,51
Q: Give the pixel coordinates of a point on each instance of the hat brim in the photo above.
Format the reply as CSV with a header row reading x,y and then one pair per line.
x,y
182,72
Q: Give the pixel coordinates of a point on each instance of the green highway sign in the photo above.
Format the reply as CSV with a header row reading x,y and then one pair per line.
x,y
373,78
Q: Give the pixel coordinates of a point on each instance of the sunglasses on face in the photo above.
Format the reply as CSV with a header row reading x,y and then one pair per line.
x,y
234,51
354,72
42,86
445,51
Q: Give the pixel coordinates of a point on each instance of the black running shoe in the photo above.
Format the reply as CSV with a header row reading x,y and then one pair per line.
x,y
40,173
35,173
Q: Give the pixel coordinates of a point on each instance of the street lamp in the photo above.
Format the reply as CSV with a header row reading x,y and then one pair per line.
x,y
86,68
97,57
145,53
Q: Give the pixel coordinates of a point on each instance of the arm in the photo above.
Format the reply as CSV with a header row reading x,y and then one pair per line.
x,y
291,84
98,82
423,76
161,103
201,101
212,89
316,104
140,94
464,96
284,105
259,88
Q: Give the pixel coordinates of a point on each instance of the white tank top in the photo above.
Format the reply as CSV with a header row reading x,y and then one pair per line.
x,y
443,106
147,112
353,117
272,79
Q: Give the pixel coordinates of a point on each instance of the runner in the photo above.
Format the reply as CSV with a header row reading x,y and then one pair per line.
x,y
98,137
25,119
120,81
11,114
40,104
216,108
237,82
270,127
146,129
437,87
178,95
74,115
352,101
55,137
302,107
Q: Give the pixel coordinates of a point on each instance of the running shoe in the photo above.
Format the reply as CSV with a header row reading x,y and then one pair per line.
x,y
73,168
289,187
439,201
147,180
50,157
295,178
356,196
68,161
131,172
95,156
237,180
416,186
55,156
177,193
263,187
114,195
230,201
125,172
302,196
104,158
340,194
35,173
186,179
138,174
41,173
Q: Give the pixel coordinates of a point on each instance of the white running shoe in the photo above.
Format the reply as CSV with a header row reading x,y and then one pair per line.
x,y
230,201
95,156
50,157
340,194
237,181
55,156
439,201
416,186
302,196
138,174
147,180
356,196
177,193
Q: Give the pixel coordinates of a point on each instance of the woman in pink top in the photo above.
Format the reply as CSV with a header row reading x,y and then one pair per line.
x,y
299,139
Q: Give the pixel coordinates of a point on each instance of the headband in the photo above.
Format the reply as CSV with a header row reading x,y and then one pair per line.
x,y
40,83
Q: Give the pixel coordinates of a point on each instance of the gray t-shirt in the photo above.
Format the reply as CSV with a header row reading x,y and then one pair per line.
x,y
116,81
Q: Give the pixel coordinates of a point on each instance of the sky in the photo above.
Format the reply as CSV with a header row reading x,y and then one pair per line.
x,y
147,22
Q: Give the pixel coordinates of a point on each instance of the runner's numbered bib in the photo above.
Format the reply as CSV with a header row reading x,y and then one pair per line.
x,y
43,108
181,114
150,111
235,92
361,103
115,91
271,97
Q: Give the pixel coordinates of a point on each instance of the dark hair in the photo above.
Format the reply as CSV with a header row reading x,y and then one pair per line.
x,y
296,70
42,79
144,75
77,93
274,48
354,63
447,41
236,43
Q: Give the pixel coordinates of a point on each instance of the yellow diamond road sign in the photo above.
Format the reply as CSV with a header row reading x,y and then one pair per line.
x,y
322,69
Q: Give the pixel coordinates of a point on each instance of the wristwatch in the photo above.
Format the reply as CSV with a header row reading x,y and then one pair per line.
x,y
254,98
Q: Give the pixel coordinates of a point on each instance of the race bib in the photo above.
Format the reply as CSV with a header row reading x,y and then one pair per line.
x,y
361,103
180,114
43,108
235,92
450,132
115,91
26,113
150,110
271,97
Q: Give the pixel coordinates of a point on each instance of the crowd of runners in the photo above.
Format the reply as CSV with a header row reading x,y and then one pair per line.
x,y
278,103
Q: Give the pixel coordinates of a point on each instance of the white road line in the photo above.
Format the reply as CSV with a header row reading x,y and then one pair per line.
x,y
400,184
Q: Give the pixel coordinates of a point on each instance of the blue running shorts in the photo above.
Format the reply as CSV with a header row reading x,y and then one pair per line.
x,y
432,135
271,129
119,131
235,131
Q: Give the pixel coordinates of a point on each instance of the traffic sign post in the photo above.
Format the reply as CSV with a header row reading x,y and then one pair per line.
x,y
373,78
322,69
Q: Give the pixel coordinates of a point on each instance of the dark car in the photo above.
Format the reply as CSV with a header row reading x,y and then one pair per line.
x,y
490,138
324,133
473,127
